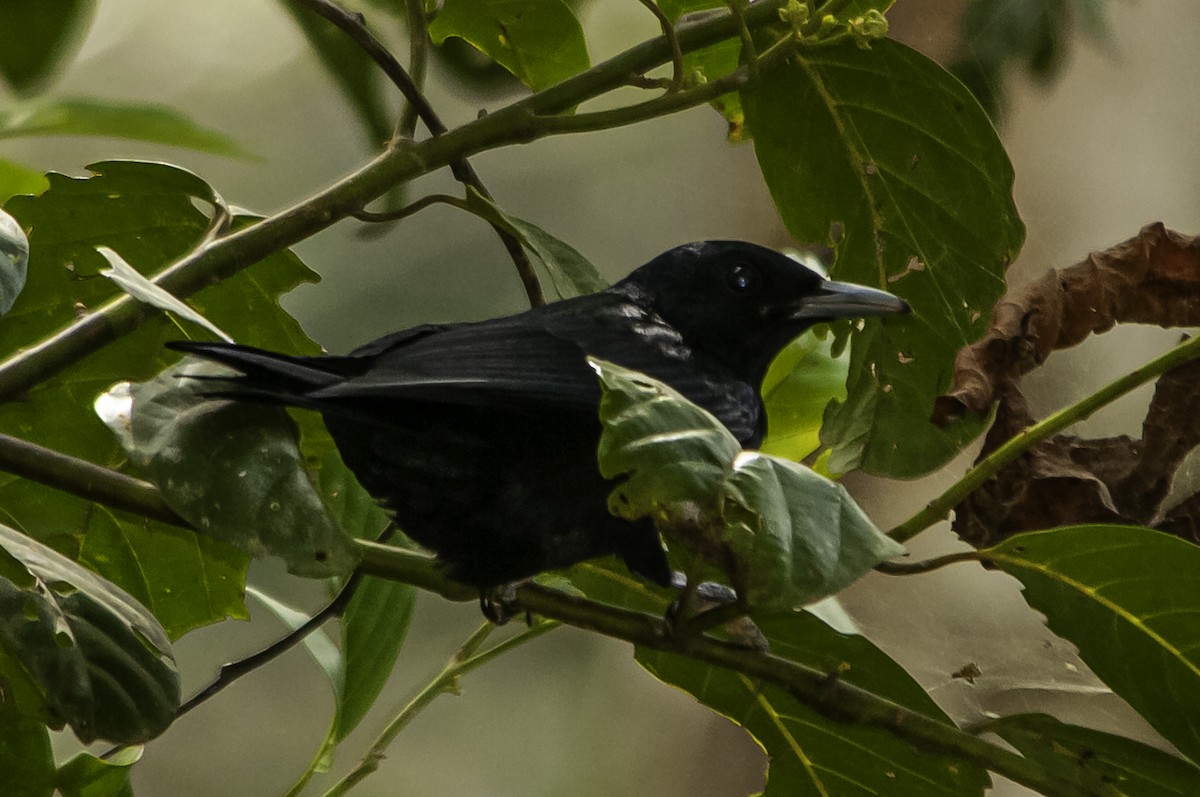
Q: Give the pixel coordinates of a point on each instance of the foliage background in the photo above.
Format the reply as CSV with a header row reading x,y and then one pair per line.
x,y
1103,150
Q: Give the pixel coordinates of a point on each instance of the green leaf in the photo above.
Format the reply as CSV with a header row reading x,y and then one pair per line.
x,y
101,661
1126,596
188,580
233,471
14,261
539,41
671,451
800,383
1097,761
41,37
135,121
152,214
571,273
797,535
88,776
793,536
16,179
811,754
141,288
351,68
374,628
25,755
885,156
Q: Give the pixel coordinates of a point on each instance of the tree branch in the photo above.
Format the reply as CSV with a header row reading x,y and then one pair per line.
x,y
940,507
354,26
823,692
222,258
84,479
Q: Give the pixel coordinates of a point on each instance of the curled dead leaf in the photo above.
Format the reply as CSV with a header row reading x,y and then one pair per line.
x,y
1153,278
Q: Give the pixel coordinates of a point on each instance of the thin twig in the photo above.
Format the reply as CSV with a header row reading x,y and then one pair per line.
x,y
232,671
354,26
940,507
928,565
749,51
410,209
668,31
85,479
668,103
463,661
418,59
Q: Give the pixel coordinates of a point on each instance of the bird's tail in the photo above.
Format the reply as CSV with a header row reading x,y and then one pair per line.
x,y
267,376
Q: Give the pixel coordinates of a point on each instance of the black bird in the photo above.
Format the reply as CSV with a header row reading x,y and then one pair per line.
x,y
480,438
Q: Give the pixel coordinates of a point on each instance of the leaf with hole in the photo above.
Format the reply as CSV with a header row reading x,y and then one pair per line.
x,y
883,155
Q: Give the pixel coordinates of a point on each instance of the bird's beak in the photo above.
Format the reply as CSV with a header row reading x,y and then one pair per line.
x,y
844,300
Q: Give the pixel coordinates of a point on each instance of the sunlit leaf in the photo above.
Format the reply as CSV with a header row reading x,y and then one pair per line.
x,y
86,775
152,214
141,288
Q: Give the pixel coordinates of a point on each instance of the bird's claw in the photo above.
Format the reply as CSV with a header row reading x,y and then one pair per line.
x,y
498,603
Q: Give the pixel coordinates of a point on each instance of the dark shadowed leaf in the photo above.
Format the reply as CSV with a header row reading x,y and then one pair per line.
x,y
795,535
1127,597
14,261
1097,761
25,755
539,41
99,660
233,471
885,156
134,121
40,38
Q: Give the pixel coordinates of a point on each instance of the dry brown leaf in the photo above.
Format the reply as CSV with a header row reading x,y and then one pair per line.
x,y
1153,278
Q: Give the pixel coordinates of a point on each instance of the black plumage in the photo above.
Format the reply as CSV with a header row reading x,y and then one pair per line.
x,y
481,437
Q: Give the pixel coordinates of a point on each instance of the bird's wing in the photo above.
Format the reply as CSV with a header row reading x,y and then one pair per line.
x,y
537,361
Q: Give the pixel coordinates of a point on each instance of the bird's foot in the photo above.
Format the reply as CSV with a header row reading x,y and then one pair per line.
x,y
710,605
498,604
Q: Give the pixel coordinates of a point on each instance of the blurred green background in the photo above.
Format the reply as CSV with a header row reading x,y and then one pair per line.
x,y
1109,144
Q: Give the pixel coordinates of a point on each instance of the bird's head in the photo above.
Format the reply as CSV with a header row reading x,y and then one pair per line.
x,y
740,303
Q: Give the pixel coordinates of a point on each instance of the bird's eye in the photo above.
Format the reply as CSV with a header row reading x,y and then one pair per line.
x,y
743,279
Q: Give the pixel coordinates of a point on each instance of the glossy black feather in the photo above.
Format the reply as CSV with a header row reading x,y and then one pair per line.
x,y
481,438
